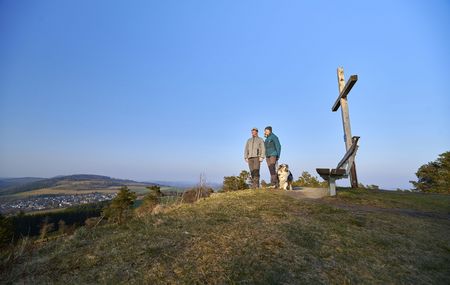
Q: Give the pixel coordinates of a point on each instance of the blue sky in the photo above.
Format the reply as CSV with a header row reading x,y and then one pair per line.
x,y
165,90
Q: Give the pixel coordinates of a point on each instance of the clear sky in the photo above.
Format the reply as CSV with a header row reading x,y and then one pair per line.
x,y
165,90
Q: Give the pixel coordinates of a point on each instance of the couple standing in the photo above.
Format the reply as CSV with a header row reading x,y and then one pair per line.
x,y
257,149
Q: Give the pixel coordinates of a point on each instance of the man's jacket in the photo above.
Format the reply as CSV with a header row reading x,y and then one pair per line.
x,y
273,146
254,148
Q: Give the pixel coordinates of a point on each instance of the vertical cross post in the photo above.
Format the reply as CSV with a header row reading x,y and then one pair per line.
x,y
346,123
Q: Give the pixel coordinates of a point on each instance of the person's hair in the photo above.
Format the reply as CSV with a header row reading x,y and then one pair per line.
x,y
269,128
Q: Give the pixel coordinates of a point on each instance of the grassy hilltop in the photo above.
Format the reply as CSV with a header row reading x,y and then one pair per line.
x,y
258,237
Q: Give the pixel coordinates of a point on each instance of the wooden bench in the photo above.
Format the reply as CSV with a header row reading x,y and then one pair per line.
x,y
342,170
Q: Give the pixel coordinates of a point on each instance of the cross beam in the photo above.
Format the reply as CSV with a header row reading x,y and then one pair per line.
x,y
341,101
345,91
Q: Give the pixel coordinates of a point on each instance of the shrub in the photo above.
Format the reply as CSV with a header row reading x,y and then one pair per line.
x,y
234,183
307,180
155,190
14,253
434,176
81,233
373,187
6,230
91,223
194,194
368,186
150,201
119,208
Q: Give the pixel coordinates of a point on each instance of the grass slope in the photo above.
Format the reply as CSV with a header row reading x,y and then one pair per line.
x,y
259,237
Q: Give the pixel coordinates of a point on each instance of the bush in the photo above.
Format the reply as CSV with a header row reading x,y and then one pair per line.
x,y
234,183
368,186
434,176
150,201
155,190
119,209
81,233
15,253
307,180
6,231
91,223
194,194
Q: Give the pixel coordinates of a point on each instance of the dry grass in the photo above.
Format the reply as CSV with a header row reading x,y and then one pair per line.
x,y
421,202
254,237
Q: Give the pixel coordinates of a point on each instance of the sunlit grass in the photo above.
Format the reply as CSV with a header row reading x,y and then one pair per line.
x,y
263,237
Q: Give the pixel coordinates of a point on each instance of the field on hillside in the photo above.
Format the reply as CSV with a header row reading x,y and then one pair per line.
x,y
140,190
262,237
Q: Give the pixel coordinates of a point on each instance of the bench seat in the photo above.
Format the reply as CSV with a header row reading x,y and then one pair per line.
x,y
342,170
325,173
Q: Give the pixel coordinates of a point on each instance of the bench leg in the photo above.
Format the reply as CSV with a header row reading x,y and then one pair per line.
x,y
332,186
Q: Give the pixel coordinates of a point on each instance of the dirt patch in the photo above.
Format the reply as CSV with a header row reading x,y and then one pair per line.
x,y
308,192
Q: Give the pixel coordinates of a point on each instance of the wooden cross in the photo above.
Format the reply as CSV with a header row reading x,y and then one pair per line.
x,y
341,101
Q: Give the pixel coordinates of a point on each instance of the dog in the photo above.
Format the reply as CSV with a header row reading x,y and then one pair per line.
x,y
285,177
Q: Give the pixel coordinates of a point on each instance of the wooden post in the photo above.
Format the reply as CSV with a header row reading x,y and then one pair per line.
x,y
346,124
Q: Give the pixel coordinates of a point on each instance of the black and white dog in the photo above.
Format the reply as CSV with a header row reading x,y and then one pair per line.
x,y
285,177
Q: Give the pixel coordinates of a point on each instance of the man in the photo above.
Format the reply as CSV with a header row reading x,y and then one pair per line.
x,y
254,154
273,152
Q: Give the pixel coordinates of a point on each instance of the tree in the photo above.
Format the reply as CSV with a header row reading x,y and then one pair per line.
x,y
150,201
307,180
233,183
434,176
119,208
6,230
155,191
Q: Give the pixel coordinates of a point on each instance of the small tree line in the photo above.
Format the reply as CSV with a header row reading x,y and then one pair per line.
x,y
242,181
121,207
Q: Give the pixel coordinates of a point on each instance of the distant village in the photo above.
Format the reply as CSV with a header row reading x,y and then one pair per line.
x,y
39,203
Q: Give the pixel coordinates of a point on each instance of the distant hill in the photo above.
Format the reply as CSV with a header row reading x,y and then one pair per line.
x,y
10,186
9,182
